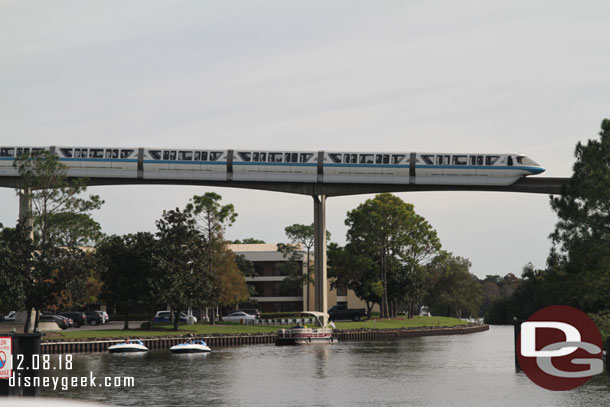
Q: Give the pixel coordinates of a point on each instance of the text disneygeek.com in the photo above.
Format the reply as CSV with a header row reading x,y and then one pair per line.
x,y
19,365
65,383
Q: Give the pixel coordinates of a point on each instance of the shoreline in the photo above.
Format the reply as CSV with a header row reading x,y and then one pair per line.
x,y
226,340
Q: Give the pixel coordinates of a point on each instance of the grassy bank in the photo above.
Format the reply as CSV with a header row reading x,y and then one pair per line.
x,y
395,323
233,329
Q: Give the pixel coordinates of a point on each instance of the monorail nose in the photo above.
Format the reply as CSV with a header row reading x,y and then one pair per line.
x,y
537,170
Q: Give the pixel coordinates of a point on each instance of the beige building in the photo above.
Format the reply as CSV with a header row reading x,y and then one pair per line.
x,y
269,293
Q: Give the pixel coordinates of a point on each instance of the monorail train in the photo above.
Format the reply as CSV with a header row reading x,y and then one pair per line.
x,y
285,166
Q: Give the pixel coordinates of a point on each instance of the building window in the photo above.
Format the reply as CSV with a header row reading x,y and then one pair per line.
x,y
258,269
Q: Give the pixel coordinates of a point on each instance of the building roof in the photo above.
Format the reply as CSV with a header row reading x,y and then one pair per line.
x,y
256,247
258,252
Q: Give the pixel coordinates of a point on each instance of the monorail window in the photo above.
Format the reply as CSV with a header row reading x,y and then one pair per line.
x,y
215,155
155,154
439,160
197,156
256,157
172,156
491,159
166,155
350,158
110,153
460,160
519,159
127,153
7,152
305,157
23,151
397,158
96,153
476,160
366,158
382,159
67,152
336,158
428,159
275,157
244,156
291,157
185,155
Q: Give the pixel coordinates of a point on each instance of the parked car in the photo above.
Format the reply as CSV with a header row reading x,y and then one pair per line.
x,y
79,318
252,311
165,317
342,312
96,317
10,316
238,316
62,322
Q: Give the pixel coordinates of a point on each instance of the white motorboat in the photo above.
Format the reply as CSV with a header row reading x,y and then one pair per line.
x,y
198,346
128,347
302,335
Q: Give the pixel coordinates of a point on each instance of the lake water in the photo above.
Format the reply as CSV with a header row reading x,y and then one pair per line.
x,y
465,370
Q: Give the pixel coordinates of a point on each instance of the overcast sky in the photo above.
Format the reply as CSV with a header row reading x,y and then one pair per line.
x,y
468,76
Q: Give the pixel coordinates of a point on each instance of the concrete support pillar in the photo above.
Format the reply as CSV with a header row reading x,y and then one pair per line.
x,y
319,224
25,209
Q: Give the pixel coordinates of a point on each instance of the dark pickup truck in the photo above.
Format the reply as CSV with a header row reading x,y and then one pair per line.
x,y
342,312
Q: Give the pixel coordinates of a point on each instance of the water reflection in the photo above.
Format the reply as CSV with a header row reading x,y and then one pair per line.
x,y
473,370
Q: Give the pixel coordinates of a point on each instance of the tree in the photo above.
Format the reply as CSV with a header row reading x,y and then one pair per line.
x,y
60,215
454,291
535,290
128,268
394,237
357,271
248,240
182,257
582,234
16,262
210,219
301,237
232,284
61,224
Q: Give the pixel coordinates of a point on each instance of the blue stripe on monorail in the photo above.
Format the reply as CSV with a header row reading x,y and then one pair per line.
x,y
282,163
184,162
101,160
367,165
533,170
106,160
